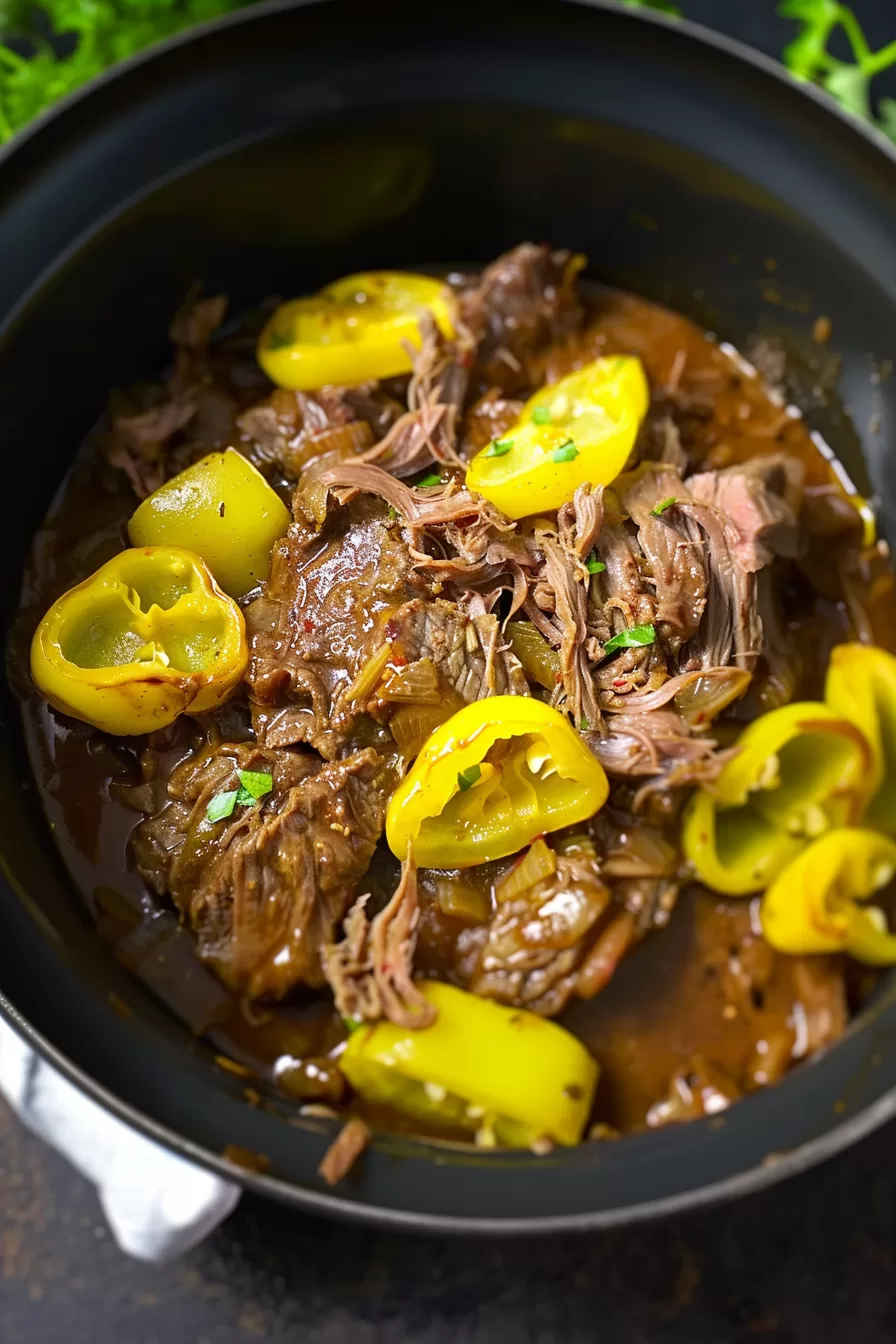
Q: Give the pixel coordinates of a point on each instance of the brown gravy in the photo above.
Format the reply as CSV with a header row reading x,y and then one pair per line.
x,y
699,1004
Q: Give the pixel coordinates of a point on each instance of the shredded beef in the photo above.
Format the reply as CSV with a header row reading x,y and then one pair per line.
x,y
265,889
522,301
371,970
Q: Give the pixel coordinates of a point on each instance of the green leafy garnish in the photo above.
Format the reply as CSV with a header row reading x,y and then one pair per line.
x,y
467,778
635,638
593,565
352,1024
541,415
584,725
97,34
431,478
808,58
500,447
663,505
256,783
567,452
221,805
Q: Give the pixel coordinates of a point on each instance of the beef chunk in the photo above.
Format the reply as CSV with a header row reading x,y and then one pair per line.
x,y
265,889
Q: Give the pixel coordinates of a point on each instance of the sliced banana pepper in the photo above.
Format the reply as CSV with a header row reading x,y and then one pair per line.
x,y
817,904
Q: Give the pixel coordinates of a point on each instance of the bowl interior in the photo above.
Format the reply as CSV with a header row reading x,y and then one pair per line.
x,y
274,155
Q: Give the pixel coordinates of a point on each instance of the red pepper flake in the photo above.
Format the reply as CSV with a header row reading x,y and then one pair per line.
x,y
308,626
558,677
391,630
620,681
398,660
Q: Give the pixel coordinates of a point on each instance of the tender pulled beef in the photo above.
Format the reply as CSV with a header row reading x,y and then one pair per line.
x,y
265,889
761,498
522,302
139,443
341,634
321,619
427,432
371,971
291,429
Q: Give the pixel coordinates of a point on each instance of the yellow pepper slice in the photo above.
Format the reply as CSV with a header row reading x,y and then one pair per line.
x,y
481,1066
814,905
148,637
803,767
861,685
798,771
734,850
491,779
579,429
358,327
222,509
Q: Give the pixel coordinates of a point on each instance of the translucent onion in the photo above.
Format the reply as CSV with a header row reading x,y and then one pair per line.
x,y
538,862
417,684
539,661
411,725
369,674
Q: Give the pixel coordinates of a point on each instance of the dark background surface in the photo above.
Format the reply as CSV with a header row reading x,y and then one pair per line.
x,y
812,1260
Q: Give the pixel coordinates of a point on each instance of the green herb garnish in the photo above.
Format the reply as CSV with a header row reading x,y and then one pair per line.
x,y
593,565
663,505
352,1024
256,782
584,725
96,34
808,58
467,778
500,447
635,638
221,805
567,452
432,478
541,415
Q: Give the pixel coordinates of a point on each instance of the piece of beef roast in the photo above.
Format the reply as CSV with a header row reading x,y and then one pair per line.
x,y
265,889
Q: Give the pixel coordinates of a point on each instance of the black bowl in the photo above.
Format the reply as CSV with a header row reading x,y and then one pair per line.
x,y
300,141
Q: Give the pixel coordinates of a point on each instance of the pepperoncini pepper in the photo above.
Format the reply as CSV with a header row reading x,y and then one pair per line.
x,y
148,637
358,327
508,1074
798,771
222,509
580,429
496,775
861,685
817,903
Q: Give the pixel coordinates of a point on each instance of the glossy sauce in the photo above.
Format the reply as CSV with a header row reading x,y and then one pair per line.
x,y
681,996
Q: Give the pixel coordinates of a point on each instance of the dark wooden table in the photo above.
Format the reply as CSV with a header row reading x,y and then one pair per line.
x,y
810,1262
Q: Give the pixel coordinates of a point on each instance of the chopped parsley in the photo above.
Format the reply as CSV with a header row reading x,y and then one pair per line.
x,y
541,415
567,452
467,778
584,725
221,805
352,1024
663,505
593,565
500,447
432,478
635,638
254,784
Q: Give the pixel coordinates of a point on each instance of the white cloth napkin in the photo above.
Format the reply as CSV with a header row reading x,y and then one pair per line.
x,y
157,1204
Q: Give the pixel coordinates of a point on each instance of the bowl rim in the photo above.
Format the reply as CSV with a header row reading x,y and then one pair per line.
x,y
330,1203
